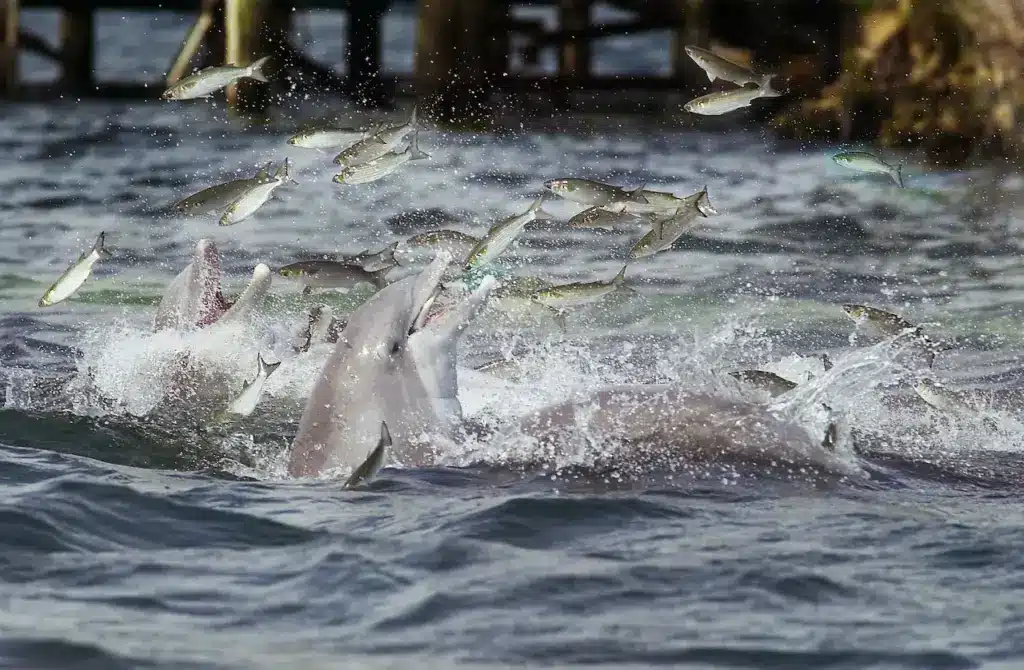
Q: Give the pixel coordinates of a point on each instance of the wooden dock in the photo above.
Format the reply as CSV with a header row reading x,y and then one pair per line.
x,y
463,50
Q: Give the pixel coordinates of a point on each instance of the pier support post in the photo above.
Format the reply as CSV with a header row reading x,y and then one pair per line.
x,y
691,28
574,56
9,57
363,54
253,29
451,60
77,33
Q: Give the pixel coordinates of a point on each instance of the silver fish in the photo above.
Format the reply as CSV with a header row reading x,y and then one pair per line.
x,y
378,144
886,324
764,380
579,293
593,193
454,242
503,233
379,260
944,399
363,173
203,83
373,463
666,230
717,67
219,196
723,102
330,136
862,161
255,197
320,274
75,275
601,217
247,400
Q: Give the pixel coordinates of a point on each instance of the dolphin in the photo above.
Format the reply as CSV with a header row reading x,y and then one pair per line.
x,y
393,362
194,298
658,427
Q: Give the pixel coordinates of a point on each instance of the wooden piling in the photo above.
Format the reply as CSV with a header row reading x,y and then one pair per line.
x,y
193,43
253,29
77,37
451,64
363,54
9,57
574,56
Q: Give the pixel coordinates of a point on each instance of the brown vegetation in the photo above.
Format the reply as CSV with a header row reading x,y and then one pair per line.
x,y
947,75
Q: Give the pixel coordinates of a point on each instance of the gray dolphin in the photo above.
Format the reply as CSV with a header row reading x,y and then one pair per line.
x,y
194,298
663,428
391,363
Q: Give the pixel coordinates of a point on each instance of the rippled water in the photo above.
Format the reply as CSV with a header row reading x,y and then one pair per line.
x,y
133,541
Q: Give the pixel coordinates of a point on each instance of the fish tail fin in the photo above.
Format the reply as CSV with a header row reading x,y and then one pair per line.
x,y
99,246
637,194
766,87
898,177
539,213
826,362
414,148
388,253
385,434
380,277
413,121
266,368
264,172
620,278
256,69
284,173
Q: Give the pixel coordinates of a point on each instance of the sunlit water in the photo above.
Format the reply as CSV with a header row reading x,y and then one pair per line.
x,y
135,538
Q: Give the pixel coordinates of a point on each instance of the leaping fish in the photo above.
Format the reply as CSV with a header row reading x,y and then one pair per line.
x,y
374,462
366,172
75,275
717,67
247,400
503,233
887,324
255,197
862,161
579,293
203,83
219,196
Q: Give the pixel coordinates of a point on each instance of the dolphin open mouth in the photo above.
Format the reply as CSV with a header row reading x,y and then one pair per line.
x,y
427,291
212,304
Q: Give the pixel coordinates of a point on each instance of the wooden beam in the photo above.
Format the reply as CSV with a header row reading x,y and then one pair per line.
x,y
9,57
192,44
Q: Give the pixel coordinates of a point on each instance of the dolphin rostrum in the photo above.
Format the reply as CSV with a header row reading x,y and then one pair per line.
x,y
194,298
390,363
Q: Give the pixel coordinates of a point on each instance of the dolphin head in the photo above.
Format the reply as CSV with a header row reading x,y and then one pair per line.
x,y
393,362
194,299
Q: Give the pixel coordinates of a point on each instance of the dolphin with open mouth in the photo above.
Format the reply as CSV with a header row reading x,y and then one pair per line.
x,y
194,298
394,362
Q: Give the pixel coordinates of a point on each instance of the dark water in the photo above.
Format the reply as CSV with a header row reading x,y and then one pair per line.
x,y
132,539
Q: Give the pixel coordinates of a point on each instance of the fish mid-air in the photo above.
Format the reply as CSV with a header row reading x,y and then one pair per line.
x,y
255,197
723,102
456,243
333,275
378,144
886,324
503,233
247,400
212,79
375,261
75,275
330,136
593,193
219,196
369,171
579,293
862,161
718,67
666,230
